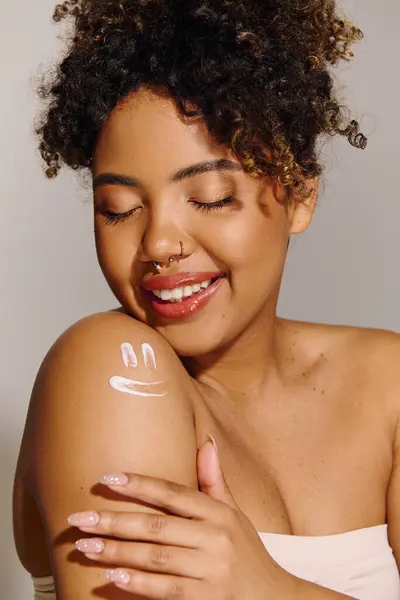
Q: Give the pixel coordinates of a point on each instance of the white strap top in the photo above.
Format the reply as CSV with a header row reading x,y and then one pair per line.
x,y
357,563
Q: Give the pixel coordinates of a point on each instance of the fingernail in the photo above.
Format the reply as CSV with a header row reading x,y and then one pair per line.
x,y
117,576
90,546
209,438
84,519
113,479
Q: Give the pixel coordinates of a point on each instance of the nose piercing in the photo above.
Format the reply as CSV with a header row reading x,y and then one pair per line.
x,y
175,256
171,259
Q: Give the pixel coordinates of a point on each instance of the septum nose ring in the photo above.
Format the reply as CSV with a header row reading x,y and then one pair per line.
x,y
171,259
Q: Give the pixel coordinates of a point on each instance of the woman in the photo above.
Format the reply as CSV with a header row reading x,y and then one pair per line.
x,y
198,123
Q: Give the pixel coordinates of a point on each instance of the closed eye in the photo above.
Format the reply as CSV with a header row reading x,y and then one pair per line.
x,y
209,206
113,218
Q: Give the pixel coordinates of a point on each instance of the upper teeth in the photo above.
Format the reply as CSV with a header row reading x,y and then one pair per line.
x,y
177,294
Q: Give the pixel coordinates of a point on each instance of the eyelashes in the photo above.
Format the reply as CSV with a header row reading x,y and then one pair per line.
x,y
112,218
210,206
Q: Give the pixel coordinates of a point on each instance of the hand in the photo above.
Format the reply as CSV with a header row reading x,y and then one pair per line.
x,y
206,548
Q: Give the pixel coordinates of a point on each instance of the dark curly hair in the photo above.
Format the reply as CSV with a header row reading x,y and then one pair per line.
x,y
257,72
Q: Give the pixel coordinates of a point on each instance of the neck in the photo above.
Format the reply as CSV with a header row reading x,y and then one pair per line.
x,y
248,364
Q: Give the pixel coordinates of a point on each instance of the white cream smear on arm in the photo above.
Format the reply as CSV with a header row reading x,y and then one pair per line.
x,y
149,357
128,355
131,386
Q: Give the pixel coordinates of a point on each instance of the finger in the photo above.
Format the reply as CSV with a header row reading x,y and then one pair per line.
x,y
155,586
154,558
174,497
152,527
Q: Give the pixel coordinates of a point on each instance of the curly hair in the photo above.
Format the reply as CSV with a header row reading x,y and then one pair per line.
x,y
257,72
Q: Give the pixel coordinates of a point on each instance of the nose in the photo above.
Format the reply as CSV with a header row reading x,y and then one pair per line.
x,y
163,239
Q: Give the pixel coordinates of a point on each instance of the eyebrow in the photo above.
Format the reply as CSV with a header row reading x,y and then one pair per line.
x,y
221,164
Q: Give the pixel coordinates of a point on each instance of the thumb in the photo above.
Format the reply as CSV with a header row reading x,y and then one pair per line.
x,y
209,473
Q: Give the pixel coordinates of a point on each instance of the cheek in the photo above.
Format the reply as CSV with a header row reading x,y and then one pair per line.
x,y
252,242
116,251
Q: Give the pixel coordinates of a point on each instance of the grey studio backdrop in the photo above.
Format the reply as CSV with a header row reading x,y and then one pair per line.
x,y
345,269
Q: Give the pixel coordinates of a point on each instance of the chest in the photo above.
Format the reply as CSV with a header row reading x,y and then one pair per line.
x,y
303,466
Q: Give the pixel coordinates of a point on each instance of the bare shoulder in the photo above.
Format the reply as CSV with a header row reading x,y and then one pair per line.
x,y
358,347
374,352
363,363
111,396
113,352
379,343
375,358
103,339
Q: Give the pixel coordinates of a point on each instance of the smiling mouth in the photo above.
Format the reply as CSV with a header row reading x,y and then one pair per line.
x,y
178,294
180,286
185,300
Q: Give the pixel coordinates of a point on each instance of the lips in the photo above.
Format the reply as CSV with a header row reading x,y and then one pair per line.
x,y
169,282
187,306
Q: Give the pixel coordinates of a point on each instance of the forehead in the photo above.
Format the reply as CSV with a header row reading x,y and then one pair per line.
x,y
147,135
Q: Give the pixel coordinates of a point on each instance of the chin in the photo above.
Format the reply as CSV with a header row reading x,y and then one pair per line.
x,y
193,339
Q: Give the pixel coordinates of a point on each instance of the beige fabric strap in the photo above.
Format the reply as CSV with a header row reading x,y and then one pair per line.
x,y
44,588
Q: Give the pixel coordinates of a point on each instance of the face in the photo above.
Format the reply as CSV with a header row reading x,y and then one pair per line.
x,y
227,232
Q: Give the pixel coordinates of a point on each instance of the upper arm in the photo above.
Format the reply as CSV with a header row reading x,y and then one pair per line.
x,y
393,499
84,427
391,370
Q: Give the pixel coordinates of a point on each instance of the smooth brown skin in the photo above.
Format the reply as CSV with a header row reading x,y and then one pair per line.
x,y
305,415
